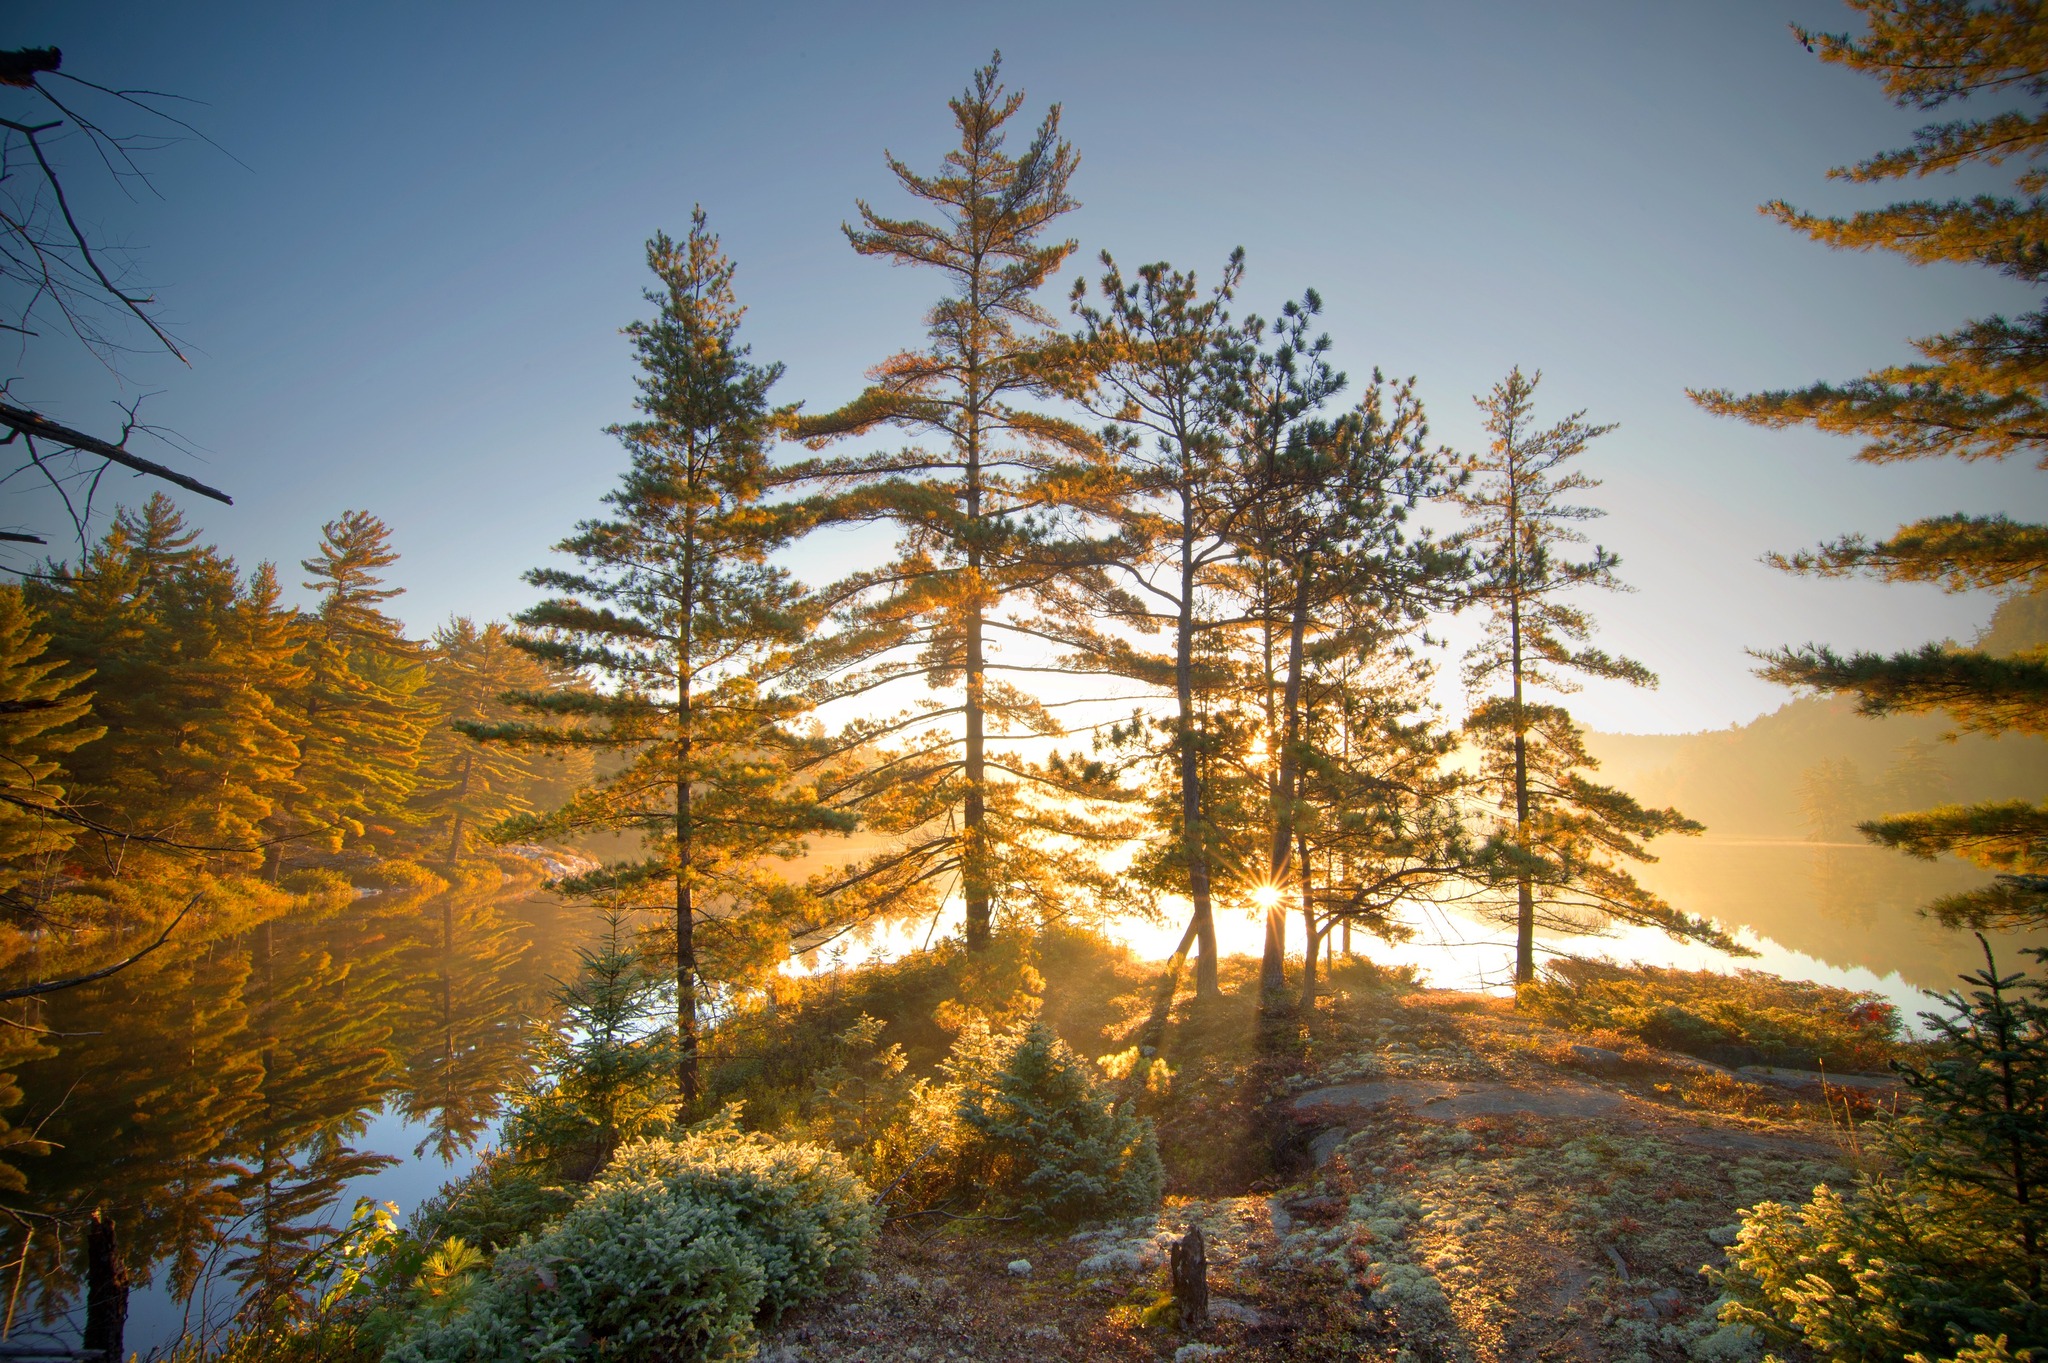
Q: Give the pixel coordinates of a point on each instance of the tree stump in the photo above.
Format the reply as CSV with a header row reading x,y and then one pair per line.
x,y
106,1290
1189,1256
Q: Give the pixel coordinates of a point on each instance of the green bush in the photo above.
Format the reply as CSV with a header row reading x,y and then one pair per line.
x,y
1047,1142
671,1254
899,1133
632,1271
809,1216
1747,1018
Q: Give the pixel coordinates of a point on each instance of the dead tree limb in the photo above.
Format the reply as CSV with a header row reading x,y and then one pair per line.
x,y
33,424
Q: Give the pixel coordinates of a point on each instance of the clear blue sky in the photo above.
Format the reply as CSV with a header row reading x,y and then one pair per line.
x,y
407,296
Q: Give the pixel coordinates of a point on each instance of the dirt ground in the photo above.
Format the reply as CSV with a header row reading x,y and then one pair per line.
x,y
1468,1185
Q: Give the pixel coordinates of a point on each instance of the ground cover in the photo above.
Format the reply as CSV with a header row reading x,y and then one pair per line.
x,y
1407,1175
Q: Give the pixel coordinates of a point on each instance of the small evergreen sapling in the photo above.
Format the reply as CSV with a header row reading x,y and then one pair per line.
x,y
606,1072
1985,1107
1937,1254
1048,1142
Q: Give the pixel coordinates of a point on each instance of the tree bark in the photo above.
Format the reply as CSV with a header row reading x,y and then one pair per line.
x,y
1273,966
1194,844
974,880
1525,897
686,918
1312,939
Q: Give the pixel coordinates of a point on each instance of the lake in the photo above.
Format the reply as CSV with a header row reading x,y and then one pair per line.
x,y
235,1091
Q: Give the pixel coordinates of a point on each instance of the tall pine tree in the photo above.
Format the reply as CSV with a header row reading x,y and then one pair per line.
x,y
1153,360
677,609
44,715
465,785
979,504
1561,837
356,712
1978,392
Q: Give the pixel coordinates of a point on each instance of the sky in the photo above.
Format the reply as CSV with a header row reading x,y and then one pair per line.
x,y
402,273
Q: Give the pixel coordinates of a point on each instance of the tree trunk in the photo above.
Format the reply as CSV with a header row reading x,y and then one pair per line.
x,y
974,882
974,864
1312,941
1194,845
686,950
686,912
1273,967
1189,1259
1154,1034
1525,898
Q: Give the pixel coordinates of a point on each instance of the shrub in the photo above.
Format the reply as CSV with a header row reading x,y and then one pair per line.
x,y
1747,1018
809,1216
631,1271
671,1254
1936,1252
498,1203
899,1133
1047,1142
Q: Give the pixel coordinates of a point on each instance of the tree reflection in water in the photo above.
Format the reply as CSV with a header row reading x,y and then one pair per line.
x,y
213,1098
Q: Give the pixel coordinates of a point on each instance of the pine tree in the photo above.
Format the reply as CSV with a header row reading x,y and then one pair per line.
x,y
190,657
1562,836
678,609
1380,806
44,715
1050,1143
605,1072
1985,1104
1327,564
976,507
1153,361
102,615
472,785
356,712
1974,393
1941,1241
1285,537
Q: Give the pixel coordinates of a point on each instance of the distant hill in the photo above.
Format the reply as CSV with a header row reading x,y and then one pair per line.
x,y
1812,768
1781,797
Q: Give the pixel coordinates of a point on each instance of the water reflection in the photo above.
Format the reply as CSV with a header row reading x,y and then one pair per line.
x,y
215,1097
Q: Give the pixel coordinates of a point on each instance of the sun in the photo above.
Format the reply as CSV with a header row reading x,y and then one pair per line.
x,y
1265,896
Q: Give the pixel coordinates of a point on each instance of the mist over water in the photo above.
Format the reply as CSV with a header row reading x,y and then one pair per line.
x,y
1837,914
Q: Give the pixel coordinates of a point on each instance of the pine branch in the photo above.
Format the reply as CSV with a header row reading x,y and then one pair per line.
x,y
1982,694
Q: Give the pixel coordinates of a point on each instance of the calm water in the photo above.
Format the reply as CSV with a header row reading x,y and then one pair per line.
x,y
232,1093
240,1088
